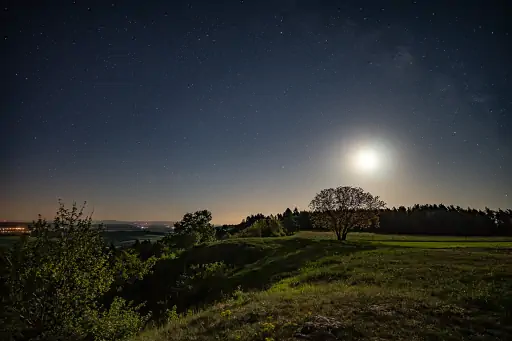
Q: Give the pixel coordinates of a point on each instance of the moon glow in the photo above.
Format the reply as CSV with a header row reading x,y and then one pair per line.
x,y
367,160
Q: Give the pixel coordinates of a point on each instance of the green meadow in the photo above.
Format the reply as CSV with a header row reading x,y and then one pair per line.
x,y
372,287
431,242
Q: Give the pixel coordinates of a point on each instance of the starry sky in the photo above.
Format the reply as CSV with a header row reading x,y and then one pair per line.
x,y
151,109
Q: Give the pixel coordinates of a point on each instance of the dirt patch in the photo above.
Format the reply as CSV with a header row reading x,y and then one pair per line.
x,y
320,328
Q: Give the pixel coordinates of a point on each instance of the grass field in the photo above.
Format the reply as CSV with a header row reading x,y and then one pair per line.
x,y
430,242
369,288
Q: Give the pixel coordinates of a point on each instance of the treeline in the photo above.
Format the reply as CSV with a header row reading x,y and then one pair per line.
x,y
444,220
417,219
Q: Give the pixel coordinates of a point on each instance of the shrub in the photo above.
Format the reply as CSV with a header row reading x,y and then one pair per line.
x,y
202,282
274,228
54,283
267,227
172,314
202,274
119,322
252,231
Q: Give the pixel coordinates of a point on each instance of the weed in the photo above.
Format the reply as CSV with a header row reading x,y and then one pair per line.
x,y
226,313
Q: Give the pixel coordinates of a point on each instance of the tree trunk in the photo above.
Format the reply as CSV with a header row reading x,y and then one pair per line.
x,y
338,234
344,234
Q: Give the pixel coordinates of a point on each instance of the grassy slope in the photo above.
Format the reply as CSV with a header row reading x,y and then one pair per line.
x,y
428,242
375,291
364,236
121,237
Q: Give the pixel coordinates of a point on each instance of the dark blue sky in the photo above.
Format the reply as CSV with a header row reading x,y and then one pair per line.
x,y
150,109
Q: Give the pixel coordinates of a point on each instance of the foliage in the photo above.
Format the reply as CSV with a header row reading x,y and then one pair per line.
x,y
250,220
54,283
430,219
253,231
445,220
147,249
128,267
267,227
222,232
200,272
201,280
345,208
195,228
437,219
226,313
374,293
304,220
273,228
119,322
172,314
290,221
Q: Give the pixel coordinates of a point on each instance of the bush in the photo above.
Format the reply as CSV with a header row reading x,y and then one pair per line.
x,y
267,227
201,282
54,284
253,231
119,322
274,228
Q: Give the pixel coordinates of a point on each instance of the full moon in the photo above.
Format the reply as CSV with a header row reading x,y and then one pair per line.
x,y
367,160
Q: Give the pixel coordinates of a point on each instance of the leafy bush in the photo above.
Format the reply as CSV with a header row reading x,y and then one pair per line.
x,y
119,322
274,228
201,282
252,231
172,314
202,275
128,267
54,284
268,227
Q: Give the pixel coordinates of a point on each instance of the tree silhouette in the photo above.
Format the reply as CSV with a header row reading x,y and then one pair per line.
x,y
290,222
344,208
444,220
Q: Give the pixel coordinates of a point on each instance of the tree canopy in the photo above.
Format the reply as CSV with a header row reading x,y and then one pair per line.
x,y
194,228
344,208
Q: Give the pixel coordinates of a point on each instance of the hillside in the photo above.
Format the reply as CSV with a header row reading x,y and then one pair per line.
x,y
311,287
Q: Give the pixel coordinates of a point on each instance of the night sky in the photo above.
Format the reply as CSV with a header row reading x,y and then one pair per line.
x,y
151,109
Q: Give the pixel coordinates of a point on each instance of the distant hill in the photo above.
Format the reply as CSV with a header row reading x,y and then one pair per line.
x,y
14,223
113,222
